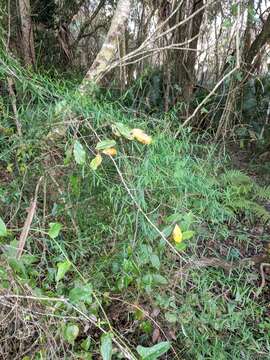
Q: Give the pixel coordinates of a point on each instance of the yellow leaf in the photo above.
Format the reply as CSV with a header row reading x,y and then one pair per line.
x,y
96,162
177,234
141,136
111,151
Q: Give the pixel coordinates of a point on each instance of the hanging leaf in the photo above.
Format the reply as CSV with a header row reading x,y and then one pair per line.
x,y
106,346
153,352
79,153
3,229
105,144
62,269
71,332
140,136
112,152
177,234
96,162
54,230
120,129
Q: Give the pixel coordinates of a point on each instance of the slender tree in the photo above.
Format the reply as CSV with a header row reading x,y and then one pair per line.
x,y
27,32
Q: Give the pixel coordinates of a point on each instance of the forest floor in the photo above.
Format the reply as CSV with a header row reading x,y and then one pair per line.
x,y
101,274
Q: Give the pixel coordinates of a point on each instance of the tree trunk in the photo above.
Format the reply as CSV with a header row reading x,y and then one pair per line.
x,y
258,43
99,66
110,46
27,32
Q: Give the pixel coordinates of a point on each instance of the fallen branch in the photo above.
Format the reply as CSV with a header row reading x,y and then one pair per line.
x,y
28,222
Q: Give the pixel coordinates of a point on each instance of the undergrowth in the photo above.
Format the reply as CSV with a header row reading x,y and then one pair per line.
x,y
100,272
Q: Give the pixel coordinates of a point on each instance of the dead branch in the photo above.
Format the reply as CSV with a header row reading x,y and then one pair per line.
x,y
28,222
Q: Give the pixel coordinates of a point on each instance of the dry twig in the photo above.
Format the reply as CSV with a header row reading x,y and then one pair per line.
x,y
28,222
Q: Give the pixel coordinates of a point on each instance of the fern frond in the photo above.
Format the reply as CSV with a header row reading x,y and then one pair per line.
x,y
251,207
262,192
237,178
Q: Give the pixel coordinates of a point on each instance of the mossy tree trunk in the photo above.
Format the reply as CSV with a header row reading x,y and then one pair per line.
x,y
107,53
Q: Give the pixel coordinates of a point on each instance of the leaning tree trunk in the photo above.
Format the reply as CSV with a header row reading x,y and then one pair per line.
x,y
99,67
260,41
107,53
27,32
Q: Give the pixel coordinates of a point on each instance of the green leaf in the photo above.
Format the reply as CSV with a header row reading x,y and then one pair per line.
x,y
181,247
62,269
3,229
106,346
85,344
81,294
155,261
71,332
54,230
96,162
105,144
79,153
159,279
171,317
153,352
188,234
120,129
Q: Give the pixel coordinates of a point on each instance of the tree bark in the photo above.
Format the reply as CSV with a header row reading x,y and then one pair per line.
x,y
258,43
109,48
27,32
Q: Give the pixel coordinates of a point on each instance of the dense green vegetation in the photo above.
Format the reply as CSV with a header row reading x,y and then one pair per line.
x,y
134,179
100,255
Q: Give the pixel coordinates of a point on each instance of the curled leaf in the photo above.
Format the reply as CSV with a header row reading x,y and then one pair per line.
x,y
111,151
177,234
141,136
105,144
96,162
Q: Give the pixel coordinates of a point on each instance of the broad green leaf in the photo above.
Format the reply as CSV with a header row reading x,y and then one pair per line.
x,y
3,229
188,234
181,247
96,162
106,346
83,293
79,153
54,230
155,261
159,279
120,129
153,352
105,144
71,332
62,269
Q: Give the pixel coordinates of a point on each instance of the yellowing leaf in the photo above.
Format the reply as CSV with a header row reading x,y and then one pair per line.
x,y
141,136
96,162
177,234
112,151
